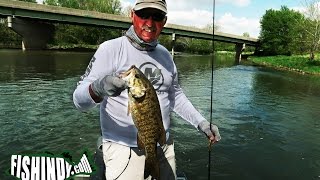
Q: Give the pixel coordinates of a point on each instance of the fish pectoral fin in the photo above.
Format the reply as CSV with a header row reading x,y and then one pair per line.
x,y
129,109
140,143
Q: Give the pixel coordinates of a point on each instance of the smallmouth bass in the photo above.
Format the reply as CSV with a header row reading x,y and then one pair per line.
x,y
146,113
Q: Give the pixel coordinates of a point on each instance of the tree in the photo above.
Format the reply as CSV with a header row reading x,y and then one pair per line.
x,y
127,11
312,26
66,34
246,34
109,6
211,27
8,38
279,31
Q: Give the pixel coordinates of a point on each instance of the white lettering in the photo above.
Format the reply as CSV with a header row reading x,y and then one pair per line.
x,y
25,162
86,164
80,167
19,166
85,167
35,168
48,168
76,169
60,169
43,167
68,169
51,169
13,164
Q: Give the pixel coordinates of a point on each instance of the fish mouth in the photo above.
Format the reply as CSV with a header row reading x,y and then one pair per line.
x,y
129,76
127,73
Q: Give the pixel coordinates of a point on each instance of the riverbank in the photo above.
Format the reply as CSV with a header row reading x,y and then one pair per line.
x,y
73,48
295,63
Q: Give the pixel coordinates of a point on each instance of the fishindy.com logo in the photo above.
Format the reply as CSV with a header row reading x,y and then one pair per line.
x,y
48,167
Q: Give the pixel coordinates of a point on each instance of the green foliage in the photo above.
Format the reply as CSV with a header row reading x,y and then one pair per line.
x,y
8,37
279,31
222,46
185,44
246,34
104,6
311,26
198,46
73,34
165,40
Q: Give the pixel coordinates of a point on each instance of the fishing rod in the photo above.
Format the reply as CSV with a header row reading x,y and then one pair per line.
x,y
211,96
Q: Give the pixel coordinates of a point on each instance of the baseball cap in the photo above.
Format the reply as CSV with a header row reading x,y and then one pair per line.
x,y
157,4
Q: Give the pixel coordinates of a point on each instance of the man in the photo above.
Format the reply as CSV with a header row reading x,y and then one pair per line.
x,y
101,84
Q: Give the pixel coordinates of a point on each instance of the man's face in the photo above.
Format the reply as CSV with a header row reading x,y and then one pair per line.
x,y
148,23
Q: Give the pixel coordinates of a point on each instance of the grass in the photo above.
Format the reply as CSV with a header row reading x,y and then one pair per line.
x,y
297,63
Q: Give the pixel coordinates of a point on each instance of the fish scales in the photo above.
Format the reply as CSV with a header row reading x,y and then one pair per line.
x,y
146,113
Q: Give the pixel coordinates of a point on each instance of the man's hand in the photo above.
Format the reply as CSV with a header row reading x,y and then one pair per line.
x,y
213,134
108,86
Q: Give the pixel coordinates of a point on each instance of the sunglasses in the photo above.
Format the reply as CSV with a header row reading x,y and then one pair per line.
x,y
146,15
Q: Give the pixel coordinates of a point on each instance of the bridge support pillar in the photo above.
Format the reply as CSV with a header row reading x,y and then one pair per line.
x,y
35,35
239,48
173,43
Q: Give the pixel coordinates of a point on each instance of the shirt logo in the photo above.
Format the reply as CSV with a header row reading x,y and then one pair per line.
x,y
153,73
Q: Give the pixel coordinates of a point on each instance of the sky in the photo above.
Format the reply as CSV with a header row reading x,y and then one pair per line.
x,y
232,16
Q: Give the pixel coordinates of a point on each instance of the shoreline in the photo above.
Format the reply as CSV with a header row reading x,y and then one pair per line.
x,y
296,63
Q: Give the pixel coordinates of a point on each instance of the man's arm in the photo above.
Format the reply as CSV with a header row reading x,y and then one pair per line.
x,y
100,65
184,108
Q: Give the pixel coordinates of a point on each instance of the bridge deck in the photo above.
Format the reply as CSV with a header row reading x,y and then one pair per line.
x,y
92,18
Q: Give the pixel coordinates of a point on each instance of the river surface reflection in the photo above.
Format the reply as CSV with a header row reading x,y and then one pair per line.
x,y
269,120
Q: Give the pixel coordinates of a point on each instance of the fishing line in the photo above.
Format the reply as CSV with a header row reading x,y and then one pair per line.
x,y
130,149
211,92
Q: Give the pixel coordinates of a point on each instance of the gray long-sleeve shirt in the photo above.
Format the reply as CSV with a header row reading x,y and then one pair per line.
x,y
116,56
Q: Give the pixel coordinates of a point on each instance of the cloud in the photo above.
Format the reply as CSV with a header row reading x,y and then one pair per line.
x,y
238,25
186,5
125,4
239,3
180,5
195,17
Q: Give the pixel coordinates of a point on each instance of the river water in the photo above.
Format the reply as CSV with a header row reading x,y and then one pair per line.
x,y
269,120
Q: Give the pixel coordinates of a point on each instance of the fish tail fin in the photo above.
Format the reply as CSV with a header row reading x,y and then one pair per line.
x,y
152,168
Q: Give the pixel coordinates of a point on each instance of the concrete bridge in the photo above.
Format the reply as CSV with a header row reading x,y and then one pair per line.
x,y
34,23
